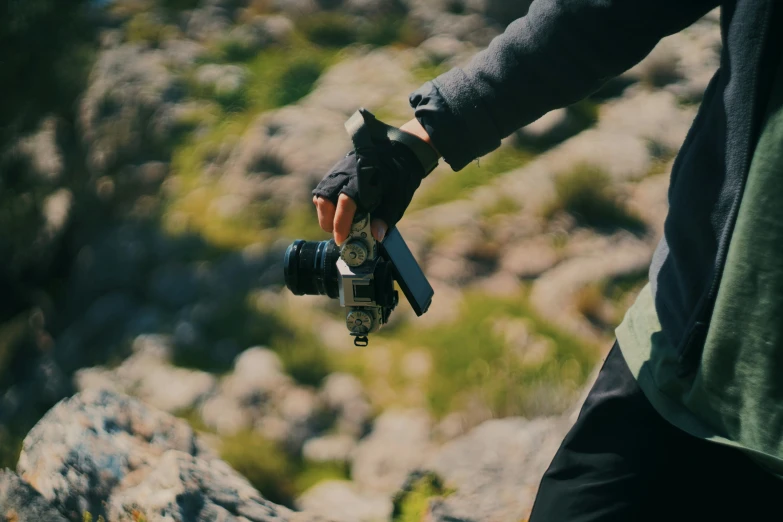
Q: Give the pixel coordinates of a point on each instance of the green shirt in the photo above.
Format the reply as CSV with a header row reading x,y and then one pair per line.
x,y
736,396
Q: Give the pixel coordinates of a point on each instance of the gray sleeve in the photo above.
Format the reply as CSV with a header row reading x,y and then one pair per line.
x,y
560,52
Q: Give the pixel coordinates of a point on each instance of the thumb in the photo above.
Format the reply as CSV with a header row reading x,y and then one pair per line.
x,y
379,228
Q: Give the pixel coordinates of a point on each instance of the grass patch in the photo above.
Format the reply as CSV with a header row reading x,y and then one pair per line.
x,y
278,476
143,27
503,206
471,359
587,194
297,81
329,29
458,185
10,447
427,71
411,504
276,77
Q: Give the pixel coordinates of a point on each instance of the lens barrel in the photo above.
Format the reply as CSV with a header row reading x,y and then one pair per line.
x,y
310,268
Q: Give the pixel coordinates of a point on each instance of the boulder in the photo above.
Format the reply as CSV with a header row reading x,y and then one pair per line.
x,y
495,469
20,502
131,89
80,452
398,444
342,501
182,488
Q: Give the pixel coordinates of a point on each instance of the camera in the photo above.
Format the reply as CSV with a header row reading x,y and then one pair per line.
x,y
361,274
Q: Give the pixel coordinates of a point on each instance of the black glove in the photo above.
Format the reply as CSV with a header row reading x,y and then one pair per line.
x,y
391,171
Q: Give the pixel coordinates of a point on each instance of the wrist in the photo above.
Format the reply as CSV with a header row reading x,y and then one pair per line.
x,y
415,128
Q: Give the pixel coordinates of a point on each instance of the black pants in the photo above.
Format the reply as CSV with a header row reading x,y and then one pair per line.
x,y
622,461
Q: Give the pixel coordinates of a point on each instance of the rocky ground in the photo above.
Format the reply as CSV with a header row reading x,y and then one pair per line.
x,y
189,385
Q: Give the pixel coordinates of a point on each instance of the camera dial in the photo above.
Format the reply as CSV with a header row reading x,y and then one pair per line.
x,y
354,253
359,322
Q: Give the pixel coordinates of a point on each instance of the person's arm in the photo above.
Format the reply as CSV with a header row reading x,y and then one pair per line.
x,y
559,53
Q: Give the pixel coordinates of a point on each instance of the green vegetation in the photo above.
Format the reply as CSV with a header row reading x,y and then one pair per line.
x,y
143,27
336,30
276,77
10,446
586,192
605,302
503,206
278,476
411,504
297,80
456,185
471,358
249,324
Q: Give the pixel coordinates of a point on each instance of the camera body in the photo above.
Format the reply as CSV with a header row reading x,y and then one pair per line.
x,y
361,274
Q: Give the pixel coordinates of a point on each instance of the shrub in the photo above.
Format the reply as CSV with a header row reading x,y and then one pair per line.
x,y
143,27
586,193
265,465
329,29
412,502
297,81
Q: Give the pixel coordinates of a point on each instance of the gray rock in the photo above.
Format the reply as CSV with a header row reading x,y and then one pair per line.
x,y
441,48
42,151
344,395
529,258
284,154
182,54
329,448
131,87
85,446
496,469
398,444
20,502
207,23
222,79
182,488
342,502
260,32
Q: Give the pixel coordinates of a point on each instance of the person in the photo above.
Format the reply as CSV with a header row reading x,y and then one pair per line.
x,y
685,419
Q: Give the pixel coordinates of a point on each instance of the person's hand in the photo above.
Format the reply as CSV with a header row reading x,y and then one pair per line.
x,y
337,198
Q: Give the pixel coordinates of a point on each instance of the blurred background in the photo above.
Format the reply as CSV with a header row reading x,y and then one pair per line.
x,y
157,157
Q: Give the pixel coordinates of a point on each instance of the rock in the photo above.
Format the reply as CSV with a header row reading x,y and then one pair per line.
x,y
495,469
207,23
655,117
553,293
374,80
530,258
182,54
504,12
284,155
84,447
344,395
42,151
223,79
184,488
20,502
162,386
342,502
329,448
131,88
246,40
550,129
441,48
398,443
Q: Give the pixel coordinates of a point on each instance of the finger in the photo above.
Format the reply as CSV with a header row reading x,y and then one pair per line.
x,y
325,210
379,228
343,217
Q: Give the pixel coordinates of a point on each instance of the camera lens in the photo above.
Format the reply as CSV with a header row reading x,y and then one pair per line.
x,y
310,268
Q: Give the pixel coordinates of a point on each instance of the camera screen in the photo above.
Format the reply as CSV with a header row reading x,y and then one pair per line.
x,y
407,272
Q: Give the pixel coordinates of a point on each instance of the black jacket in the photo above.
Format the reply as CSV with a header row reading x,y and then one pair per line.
x,y
562,51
